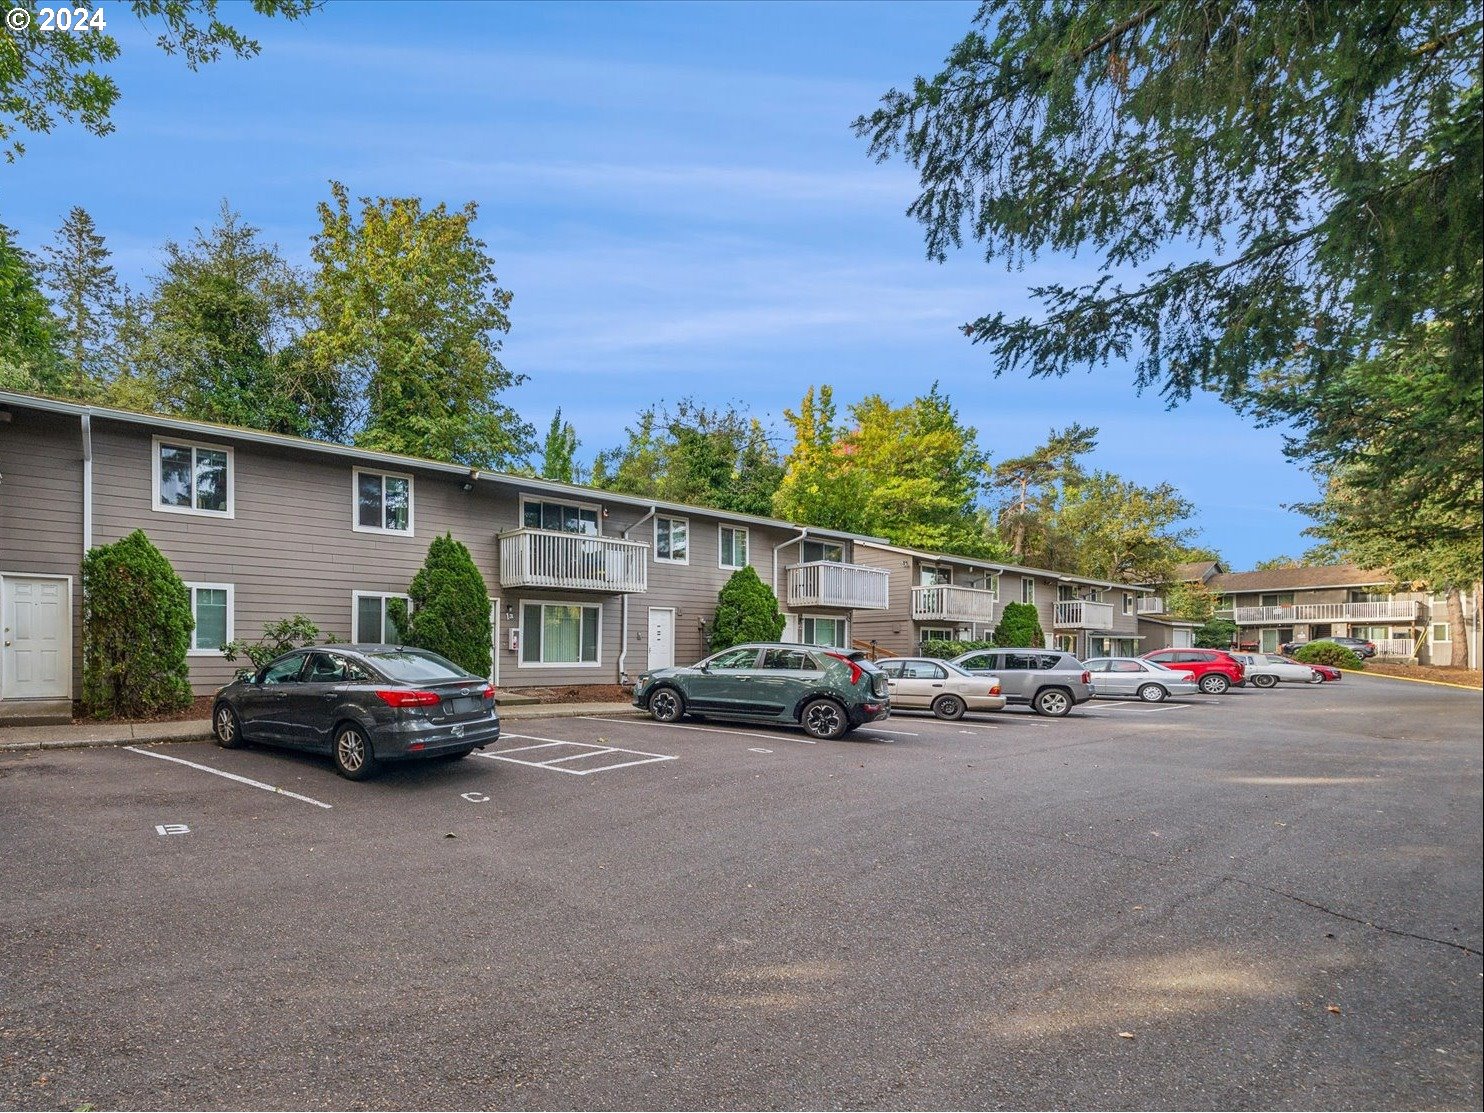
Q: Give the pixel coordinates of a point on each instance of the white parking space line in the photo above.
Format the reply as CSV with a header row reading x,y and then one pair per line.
x,y
230,776
883,730
586,750
709,730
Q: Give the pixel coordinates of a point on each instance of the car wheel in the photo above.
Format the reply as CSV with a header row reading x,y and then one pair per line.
x,y
824,718
1052,701
949,707
355,760
666,705
1316,677
1264,680
1152,693
1214,684
227,727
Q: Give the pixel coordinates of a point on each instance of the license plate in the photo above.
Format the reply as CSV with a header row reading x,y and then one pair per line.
x,y
461,705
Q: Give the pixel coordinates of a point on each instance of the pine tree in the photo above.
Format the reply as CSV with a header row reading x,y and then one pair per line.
x,y
85,296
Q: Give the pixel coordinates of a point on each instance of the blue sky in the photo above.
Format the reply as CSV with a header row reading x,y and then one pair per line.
x,y
671,191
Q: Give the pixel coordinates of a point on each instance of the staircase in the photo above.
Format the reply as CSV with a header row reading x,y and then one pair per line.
x,y
876,650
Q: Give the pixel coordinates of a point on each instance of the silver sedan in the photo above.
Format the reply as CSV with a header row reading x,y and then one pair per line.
x,y
923,683
1121,677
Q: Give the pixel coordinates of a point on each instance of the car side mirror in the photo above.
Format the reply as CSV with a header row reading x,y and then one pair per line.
x,y
705,666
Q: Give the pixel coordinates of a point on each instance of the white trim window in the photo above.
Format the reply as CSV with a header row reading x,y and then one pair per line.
x,y
992,585
562,517
732,544
561,635
1441,633
382,502
192,478
672,540
212,606
1128,602
831,632
812,551
370,624
1027,590
936,634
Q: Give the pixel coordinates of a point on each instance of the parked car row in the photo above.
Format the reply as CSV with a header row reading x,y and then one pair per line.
x,y
365,705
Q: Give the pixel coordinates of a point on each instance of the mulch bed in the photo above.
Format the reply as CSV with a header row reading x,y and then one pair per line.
x,y
576,693
200,708
1472,677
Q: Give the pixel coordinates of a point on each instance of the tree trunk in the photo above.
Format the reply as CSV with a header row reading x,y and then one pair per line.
x,y
1458,634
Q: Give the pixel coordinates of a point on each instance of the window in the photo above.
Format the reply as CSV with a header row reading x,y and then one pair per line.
x,y
1370,597
560,516
1027,590
795,660
1067,643
810,551
992,585
825,631
285,671
370,623
1279,599
192,478
1440,632
930,576
211,604
979,661
923,670
1017,660
1128,603
733,547
671,540
936,634
383,502
559,634
1065,593
734,659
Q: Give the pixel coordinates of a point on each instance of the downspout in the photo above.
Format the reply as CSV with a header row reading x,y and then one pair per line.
x,y
792,540
623,623
87,483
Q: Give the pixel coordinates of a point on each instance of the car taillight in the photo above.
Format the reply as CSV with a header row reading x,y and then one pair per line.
x,y
856,672
994,689
487,692
402,697
1087,678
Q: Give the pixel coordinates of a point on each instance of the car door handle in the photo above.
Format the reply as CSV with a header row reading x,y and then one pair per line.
x,y
937,685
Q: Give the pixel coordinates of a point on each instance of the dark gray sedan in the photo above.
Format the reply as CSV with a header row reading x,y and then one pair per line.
x,y
362,704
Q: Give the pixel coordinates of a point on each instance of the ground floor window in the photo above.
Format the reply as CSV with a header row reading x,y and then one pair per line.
x,y
211,605
370,623
1440,632
825,631
1067,643
559,634
937,634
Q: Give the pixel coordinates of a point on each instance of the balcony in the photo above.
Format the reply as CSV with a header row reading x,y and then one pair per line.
x,y
827,583
948,603
1394,610
572,562
1149,604
1079,614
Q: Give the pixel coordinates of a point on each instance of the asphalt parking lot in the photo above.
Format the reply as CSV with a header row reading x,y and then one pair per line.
x,y
1261,900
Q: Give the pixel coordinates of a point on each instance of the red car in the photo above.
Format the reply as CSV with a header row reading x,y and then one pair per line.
x,y
1213,670
1326,672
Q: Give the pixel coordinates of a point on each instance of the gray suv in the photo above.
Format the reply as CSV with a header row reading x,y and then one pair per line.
x,y
1050,681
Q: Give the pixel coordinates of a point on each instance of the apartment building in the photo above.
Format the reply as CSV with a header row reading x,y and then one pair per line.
x,y
588,586
942,596
1282,605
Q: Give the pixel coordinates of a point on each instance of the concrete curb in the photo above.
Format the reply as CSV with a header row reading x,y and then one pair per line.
x,y
1414,680
85,735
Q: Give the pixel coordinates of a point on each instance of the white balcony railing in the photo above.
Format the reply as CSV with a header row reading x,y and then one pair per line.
x,y
572,561
951,603
827,583
1149,604
1079,614
1395,647
1395,610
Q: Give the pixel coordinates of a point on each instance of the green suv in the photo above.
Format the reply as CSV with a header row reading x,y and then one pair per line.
x,y
826,691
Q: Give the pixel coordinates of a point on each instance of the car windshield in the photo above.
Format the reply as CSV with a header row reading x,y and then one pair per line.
x,y
415,666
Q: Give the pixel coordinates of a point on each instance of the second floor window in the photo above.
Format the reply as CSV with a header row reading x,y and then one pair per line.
x,y
383,502
930,576
733,547
1027,590
561,516
810,551
193,478
672,540
1128,603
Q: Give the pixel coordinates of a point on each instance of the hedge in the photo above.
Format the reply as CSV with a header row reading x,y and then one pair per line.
x,y
1020,627
1328,653
945,650
746,611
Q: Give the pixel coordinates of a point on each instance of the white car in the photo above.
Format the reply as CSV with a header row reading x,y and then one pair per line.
x,y
945,690
1266,669
1121,677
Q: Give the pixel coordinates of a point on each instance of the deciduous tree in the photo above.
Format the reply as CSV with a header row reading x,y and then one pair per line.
x,y
29,356
409,316
559,450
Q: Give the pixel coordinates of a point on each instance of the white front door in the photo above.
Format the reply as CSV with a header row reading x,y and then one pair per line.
x,y
36,658
661,637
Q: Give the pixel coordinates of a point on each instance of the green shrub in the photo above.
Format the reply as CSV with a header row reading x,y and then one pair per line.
x,y
137,625
1216,633
450,607
1328,653
278,638
1020,626
945,650
746,611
